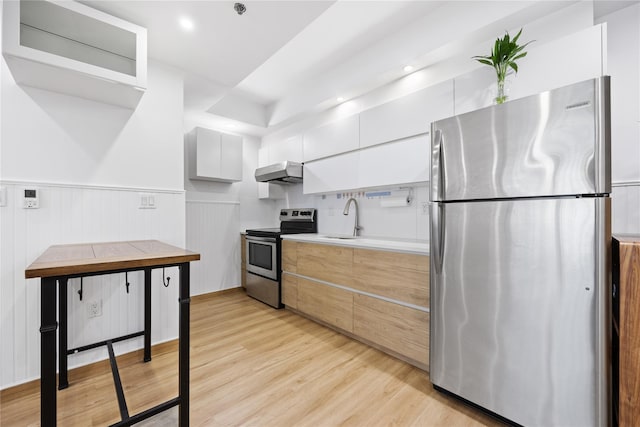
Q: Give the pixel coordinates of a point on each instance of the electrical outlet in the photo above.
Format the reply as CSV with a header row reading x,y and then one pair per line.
x,y
94,309
425,208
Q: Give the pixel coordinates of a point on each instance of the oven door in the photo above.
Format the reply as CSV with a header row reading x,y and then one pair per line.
x,y
262,256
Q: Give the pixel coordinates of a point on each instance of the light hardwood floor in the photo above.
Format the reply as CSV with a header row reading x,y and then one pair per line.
x,y
253,365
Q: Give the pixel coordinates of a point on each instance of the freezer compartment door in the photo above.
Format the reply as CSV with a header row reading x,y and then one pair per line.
x,y
551,144
519,308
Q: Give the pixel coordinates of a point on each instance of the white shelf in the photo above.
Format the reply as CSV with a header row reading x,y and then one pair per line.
x,y
70,48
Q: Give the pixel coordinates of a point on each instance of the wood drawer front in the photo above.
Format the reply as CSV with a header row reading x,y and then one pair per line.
x,y
326,303
399,276
324,262
629,405
290,290
401,329
289,256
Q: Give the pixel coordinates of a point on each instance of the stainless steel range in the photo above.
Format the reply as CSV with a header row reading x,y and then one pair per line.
x,y
264,254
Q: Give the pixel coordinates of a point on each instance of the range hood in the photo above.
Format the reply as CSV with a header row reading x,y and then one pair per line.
x,y
283,172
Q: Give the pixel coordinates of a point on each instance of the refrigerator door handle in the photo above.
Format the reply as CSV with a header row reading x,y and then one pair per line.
x,y
437,157
441,182
437,235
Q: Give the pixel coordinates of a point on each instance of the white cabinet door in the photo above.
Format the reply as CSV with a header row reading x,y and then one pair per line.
x,y
331,174
208,145
215,156
231,157
400,162
407,116
333,138
289,149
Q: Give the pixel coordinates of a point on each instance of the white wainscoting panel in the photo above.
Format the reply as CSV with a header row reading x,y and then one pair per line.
x,y
79,214
625,207
212,230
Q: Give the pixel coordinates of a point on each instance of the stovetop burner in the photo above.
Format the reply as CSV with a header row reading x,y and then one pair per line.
x,y
292,221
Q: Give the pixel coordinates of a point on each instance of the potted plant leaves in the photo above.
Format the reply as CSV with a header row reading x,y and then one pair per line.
x,y
506,51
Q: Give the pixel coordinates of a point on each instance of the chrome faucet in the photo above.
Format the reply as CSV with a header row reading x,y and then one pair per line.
x,y
356,227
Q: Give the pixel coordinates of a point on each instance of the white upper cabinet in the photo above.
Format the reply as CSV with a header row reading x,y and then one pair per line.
x,y
71,48
394,163
331,174
399,162
570,59
334,138
230,157
289,149
214,156
407,116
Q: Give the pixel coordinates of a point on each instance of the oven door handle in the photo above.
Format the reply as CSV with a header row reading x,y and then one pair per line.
x,y
261,239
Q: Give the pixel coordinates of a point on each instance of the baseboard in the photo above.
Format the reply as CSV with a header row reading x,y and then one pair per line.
x,y
210,295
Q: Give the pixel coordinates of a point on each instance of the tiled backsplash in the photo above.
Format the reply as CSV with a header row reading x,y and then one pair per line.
x,y
405,222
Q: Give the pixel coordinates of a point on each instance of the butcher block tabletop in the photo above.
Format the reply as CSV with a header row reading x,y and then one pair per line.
x,y
75,259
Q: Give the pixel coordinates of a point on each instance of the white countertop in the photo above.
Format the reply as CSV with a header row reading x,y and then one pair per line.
x,y
420,247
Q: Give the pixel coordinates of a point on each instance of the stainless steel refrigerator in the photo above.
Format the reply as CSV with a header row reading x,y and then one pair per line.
x,y
520,245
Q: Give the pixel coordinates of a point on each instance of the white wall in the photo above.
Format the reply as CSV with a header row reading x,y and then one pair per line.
x,y
552,62
546,30
405,222
570,31
90,161
217,212
623,51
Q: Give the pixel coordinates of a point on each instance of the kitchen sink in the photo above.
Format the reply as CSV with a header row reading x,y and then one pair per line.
x,y
339,236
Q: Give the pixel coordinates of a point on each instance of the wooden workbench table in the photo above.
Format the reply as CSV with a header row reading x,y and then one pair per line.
x,y
58,264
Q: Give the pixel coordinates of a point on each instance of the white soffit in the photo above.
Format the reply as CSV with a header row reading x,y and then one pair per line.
x,y
342,31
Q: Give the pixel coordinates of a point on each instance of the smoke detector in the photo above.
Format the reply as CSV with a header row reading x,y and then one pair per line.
x,y
240,8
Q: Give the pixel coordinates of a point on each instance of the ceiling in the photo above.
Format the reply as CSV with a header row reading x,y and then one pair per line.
x,y
282,60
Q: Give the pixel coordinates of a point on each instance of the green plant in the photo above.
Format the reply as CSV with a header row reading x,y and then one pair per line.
x,y
506,51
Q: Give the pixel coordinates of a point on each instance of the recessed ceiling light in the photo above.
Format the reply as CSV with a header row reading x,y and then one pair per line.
x,y
230,125
408,68
340,99
186,24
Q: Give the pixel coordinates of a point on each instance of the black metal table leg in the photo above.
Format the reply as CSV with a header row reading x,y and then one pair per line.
x,y
147,315
48,351
183,351
63,381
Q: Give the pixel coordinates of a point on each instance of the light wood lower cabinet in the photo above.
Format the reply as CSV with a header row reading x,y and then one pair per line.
x,y
289,256
382,297
325,262
399,276
326,303
290,290
402,329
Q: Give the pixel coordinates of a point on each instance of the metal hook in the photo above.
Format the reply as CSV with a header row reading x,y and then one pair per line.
x,y
166,284
80,290
126,280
